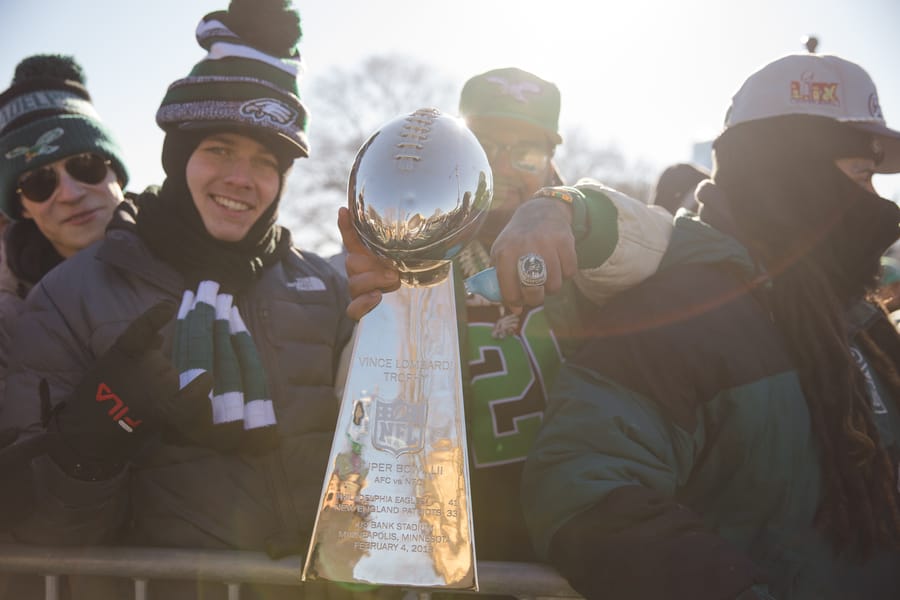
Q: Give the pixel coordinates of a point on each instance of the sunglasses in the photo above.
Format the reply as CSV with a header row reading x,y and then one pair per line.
x,y
38,185
529,157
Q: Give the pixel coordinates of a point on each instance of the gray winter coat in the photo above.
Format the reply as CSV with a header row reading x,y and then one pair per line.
x,y
11,289
179,496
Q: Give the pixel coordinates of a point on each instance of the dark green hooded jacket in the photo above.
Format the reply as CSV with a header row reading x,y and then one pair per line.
x,y
677,458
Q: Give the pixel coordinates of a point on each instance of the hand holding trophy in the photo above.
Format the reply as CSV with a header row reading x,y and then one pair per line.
x,y
395,505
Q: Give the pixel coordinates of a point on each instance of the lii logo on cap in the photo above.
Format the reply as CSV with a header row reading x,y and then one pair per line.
x,y
814,92
516,89
41,146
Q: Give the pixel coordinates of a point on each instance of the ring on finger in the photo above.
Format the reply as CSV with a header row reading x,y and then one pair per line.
x,y
532,270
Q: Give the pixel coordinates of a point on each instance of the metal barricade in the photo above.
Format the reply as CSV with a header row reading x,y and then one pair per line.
x,y
526,581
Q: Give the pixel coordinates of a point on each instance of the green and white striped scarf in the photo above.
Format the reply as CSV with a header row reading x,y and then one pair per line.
x,y
210,336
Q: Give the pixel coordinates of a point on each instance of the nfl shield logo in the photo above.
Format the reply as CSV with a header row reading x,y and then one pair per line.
x,y
399,426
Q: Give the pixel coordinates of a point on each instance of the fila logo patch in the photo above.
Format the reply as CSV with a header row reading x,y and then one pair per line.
x,y
119,410
41,147
269,109
307,284
516,89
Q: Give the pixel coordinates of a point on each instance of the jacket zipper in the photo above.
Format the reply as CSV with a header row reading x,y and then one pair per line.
x,y
272,465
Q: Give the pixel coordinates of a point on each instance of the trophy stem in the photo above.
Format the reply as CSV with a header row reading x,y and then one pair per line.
x,y
395,506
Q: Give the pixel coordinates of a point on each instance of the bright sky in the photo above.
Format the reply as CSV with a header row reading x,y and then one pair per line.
x,y
651,76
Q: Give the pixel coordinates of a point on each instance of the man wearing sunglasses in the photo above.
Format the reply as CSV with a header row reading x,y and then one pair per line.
x,y
61,176
61,172
515,116
514,350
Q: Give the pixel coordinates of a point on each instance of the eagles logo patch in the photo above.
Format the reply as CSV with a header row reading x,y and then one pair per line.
x,y
518,90
268,109
41,147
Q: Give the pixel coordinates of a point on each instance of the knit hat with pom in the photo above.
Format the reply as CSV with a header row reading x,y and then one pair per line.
x,y
46,114
248,79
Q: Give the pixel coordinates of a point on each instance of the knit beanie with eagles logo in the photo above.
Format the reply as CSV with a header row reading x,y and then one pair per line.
x,y
247,84
46,114
248,80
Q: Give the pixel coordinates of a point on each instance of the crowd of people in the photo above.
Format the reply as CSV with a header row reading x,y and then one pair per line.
x,y
693,398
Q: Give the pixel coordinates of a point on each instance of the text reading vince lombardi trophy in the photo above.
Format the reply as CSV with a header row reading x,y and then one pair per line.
x,y
395,506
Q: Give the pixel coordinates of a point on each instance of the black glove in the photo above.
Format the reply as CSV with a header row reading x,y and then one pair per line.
x,y
130,394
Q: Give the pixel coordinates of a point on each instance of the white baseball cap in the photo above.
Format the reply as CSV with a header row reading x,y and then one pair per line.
x,y
818,85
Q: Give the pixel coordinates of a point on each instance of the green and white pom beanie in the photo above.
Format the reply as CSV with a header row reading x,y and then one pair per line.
x,y
248,79
46,114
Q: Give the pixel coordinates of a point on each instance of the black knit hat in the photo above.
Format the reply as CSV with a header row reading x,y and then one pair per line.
x,y
46,114
248,79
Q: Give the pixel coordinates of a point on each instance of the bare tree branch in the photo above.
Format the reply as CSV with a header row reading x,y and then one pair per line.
x,y
579,156
346,107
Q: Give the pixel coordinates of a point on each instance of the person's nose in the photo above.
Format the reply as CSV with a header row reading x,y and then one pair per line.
x,y
240,173
68,189
501,162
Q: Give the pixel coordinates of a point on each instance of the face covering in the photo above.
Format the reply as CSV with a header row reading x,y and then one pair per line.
x,y
851,252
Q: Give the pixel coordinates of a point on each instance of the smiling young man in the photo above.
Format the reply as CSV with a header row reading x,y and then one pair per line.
x,y
61,172
61,177
230,402
233,180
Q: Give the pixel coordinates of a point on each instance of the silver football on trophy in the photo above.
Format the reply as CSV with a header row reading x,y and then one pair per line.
x,y
419,190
